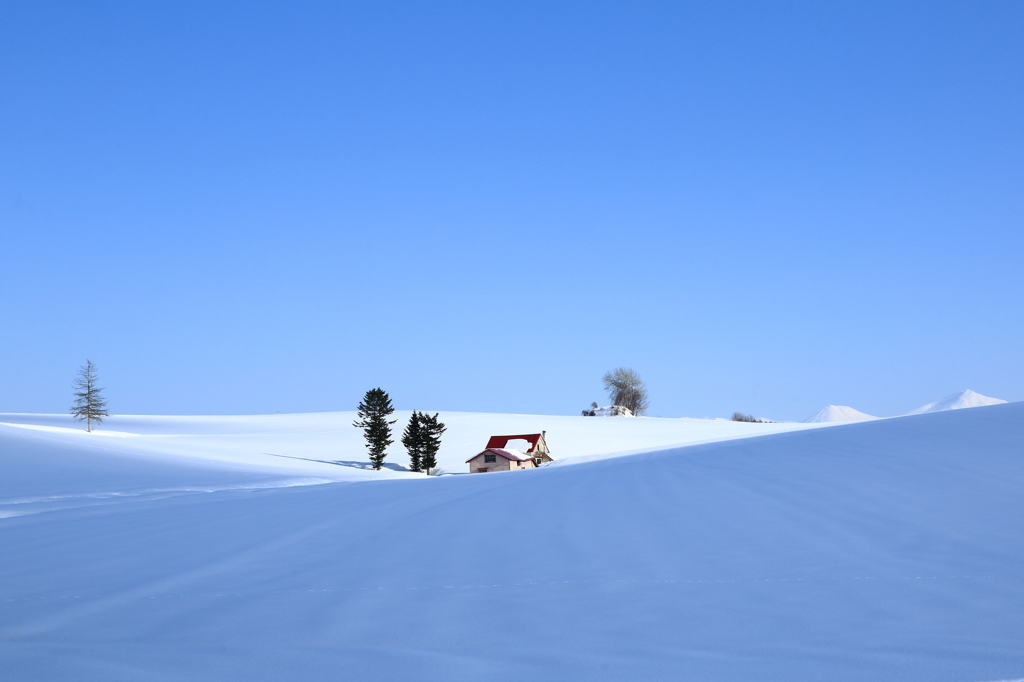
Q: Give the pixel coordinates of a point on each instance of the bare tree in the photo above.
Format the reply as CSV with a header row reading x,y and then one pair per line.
x,y
626,388
90,406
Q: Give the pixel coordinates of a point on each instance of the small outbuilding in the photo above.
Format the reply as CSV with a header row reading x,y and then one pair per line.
x,y
511,453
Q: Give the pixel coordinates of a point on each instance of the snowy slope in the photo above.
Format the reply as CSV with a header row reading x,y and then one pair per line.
x,y
881,550
838,413
958,401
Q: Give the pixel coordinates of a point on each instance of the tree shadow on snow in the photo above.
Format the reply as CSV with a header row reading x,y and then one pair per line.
x,y
344,463
367,465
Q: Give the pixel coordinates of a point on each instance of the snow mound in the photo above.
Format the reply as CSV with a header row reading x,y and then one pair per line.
x,y
958,401
838,413
612,411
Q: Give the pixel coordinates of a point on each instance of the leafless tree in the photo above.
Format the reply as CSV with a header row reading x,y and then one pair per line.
x,y
626,388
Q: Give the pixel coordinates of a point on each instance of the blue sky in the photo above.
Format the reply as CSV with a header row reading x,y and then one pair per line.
x,y
767,207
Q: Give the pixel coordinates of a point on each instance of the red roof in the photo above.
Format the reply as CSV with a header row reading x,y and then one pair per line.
x,y
502,441
503,453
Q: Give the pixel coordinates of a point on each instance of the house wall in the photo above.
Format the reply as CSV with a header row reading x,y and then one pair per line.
x,y
478,461
501,465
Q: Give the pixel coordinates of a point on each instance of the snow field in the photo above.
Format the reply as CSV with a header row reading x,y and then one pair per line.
x,y
881,550
313,445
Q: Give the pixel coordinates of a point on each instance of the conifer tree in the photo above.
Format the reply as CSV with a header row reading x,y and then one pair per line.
x,y
412,439
90,406
432,430
373,420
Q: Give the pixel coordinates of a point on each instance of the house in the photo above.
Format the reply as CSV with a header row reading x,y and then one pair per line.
x,y
511,453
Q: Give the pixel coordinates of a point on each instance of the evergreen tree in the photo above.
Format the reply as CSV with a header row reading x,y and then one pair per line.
x,y
412,439
432,430
373,420
90,406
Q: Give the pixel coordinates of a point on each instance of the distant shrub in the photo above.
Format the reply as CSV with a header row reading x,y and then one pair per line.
x,y
609,411
740,417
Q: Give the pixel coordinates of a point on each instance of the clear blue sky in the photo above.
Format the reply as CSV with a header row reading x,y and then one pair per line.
x,y
767,207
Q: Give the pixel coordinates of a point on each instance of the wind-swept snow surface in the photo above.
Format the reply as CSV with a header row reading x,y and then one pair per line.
x,y
959,401
838,413
885,550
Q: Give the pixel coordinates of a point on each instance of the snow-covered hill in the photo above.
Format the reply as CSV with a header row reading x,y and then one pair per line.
x,y
958,401
881,550
838,413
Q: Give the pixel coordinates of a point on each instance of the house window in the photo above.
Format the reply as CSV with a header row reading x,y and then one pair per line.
x,y
490,457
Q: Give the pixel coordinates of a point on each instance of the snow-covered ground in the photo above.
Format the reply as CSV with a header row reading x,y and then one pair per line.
x,y
190,550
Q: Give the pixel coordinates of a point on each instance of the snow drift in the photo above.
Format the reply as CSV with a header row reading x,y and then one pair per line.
x,y
959,401
838,413
881,550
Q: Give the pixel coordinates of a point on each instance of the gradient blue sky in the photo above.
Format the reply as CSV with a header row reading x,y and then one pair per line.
x,y
767,207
